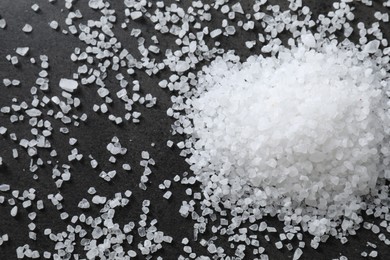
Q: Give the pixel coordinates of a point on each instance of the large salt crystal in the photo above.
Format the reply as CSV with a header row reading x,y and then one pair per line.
x,y
22,51
96,4
33,112
182,66
308,40
372,46
69,85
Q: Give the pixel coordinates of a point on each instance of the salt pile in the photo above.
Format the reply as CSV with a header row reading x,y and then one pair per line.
x,y
301,135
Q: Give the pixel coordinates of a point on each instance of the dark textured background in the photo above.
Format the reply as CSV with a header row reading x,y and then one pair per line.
x,y
96,133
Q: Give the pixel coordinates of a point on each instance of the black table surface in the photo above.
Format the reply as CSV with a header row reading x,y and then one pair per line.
x,y
94,134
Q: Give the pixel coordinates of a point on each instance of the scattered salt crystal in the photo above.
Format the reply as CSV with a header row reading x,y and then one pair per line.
x,y
3,23
35,7
83,204
136,15
27,28
96,4
279,245
167,194
4,187
14,211
182,66
308,40
99,199
53,25
22,51
215,33
33,112
237,8
372,46
375,229
68,84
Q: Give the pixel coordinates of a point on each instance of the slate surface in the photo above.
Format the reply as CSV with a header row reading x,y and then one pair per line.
x,y
96,133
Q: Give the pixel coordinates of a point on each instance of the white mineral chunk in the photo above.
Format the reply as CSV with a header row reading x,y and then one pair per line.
x,y
372,46
22,51
33,112
27,28
308,40
182,66
68,84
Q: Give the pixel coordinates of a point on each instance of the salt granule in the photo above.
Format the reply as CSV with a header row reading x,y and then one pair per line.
x,y
69,85
22,51
3,23
27,28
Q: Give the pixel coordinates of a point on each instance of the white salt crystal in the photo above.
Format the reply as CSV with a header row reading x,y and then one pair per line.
x,y
4,187
167,194
237,8
14,211
53,25
22,51
35,7
84,204
33,112
308,40
27,28
68,84
136,15
182,66
372,46
96,4
373,253
215,33
99,199
3,23
297,254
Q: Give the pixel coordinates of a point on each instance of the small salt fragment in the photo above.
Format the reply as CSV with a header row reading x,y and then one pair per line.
x,y
22,51
3,23
4,187
372,46
7,82
68,84
128,193
14,211
237,8
126,167
27,28
215,33
53,25
96,4
14,60
99,199
375,229
308,40
35,7
40,205
167,194
136,15
33,112
182,66
15,153
145,155
84,204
